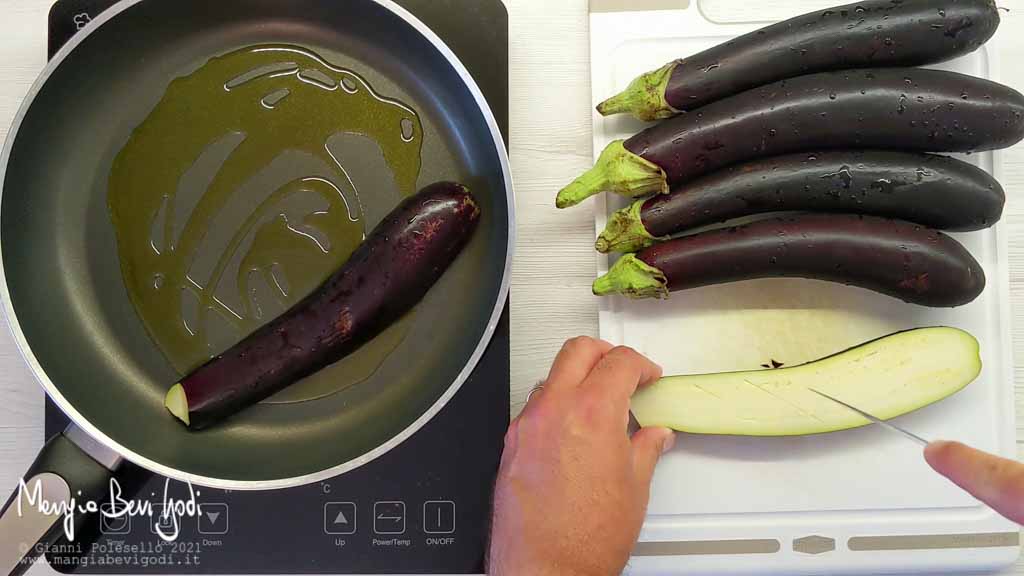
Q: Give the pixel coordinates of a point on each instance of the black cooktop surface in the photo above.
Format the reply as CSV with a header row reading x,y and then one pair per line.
x,y
423,508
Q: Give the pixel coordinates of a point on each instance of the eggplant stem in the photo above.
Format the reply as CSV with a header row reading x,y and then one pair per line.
x,y
625,231
633,278
617,170
177,403
644,98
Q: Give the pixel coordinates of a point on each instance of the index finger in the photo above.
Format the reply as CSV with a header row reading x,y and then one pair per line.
x,y
618,375
995,481
575,361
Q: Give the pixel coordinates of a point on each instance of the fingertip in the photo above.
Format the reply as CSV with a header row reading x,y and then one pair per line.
x,y
938,453
650,444
653,373
664,439
669,442
936,447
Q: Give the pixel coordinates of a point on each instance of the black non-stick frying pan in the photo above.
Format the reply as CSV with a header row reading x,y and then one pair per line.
x,y
64,293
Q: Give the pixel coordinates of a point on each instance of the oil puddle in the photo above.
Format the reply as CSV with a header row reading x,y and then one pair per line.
x,y
252,180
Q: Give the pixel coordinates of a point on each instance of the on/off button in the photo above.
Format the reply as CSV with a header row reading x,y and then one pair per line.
x,y
439,517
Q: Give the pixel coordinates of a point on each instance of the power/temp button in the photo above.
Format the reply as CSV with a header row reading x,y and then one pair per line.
x,y
439,517
389,518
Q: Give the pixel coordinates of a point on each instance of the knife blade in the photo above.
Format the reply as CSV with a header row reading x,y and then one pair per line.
x,y
874,419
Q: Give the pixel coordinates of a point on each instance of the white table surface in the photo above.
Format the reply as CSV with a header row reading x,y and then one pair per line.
x,y
550,145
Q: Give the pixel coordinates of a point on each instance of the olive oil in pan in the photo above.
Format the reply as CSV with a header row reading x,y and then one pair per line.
x,y
230,203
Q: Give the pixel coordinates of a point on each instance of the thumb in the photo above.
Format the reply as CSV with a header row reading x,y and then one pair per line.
x,y
648,446
995,481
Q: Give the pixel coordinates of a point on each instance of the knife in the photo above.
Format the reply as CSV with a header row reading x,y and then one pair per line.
x,y
891,427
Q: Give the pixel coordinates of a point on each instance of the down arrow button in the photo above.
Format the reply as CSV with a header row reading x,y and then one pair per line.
x,y
213,518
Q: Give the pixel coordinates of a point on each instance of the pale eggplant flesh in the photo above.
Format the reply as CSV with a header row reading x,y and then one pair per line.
x,y
887,378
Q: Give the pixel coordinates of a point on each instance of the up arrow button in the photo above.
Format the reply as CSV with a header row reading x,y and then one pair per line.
x,y
340,518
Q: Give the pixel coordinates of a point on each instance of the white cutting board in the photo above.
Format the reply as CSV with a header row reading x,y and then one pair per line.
x,y
733,505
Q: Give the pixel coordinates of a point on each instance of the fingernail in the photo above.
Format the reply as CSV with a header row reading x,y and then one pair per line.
x,y
669,443
933,453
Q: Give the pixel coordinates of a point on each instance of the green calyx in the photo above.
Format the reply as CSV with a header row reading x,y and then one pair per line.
x,y
625,231
644,98
633,278
617,170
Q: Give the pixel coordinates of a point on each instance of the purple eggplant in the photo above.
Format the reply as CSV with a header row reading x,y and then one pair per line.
x,y
875,34
909,109
383,280
899,259
934,191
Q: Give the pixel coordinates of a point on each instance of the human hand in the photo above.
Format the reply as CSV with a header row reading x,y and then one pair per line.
x,y
995,481
573,487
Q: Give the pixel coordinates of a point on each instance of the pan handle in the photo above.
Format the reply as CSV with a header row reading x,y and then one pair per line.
x,y
72,468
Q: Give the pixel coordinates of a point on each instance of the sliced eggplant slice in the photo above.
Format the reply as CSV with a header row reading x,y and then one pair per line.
x,y
888,377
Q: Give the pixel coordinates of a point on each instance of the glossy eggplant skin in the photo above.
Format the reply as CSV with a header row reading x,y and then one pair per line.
x,y
900,259
877,33
390,272
934,191
907,109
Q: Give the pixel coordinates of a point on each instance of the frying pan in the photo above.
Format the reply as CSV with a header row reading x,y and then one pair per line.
x,y
64,294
